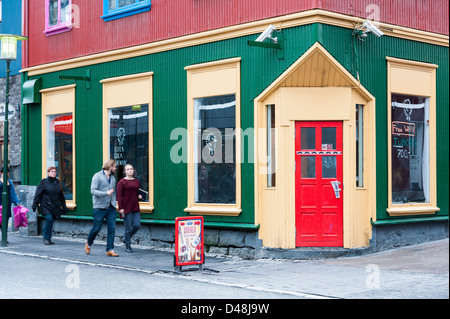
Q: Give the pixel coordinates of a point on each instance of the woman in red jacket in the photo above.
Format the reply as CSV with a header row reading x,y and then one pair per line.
x,y
128,199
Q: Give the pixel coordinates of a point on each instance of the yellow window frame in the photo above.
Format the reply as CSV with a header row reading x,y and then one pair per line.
x,y
204,80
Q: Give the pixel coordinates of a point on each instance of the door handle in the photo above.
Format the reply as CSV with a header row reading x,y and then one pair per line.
x,y
337,190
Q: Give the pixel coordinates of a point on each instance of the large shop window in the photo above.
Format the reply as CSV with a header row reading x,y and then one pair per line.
x,y
214,170
127,129
128,142
215,148
116,9
411,138
58,137
58,16
410,149
60,149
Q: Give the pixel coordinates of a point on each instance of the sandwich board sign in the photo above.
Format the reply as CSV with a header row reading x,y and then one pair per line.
x,y
189,249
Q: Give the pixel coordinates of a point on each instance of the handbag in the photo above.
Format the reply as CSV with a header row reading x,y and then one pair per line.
x,y
20,216
1,214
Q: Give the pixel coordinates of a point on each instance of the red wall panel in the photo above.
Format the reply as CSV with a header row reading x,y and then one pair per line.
x,y
174,18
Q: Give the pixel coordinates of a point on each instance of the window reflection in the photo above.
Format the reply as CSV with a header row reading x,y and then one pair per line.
x,y
129,142
410,149
60,149
214,149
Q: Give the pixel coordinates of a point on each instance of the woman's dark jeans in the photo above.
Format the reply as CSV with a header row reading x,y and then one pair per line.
x,y
48,227
132,222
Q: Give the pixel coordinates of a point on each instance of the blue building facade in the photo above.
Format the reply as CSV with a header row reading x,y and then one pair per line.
x,y
11,22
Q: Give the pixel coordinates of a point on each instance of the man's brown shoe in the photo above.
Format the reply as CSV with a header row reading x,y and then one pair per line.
x,y
87,249
111,253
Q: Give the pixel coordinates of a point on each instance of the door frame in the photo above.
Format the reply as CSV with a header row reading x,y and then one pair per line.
x,y
318,179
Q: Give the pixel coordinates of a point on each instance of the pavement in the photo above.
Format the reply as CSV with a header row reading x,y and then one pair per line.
x,y
413,272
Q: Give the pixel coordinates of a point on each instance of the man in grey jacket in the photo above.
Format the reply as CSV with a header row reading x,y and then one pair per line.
x,y
104,206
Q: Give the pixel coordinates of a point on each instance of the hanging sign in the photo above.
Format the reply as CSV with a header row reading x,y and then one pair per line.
x,y
189,241
11,111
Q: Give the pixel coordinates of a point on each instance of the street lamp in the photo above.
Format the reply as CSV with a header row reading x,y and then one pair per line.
x,y
8,52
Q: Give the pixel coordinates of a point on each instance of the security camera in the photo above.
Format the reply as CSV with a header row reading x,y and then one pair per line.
x,y
267,34
371,28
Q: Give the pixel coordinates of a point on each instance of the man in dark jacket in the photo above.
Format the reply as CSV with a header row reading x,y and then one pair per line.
x,y
50,198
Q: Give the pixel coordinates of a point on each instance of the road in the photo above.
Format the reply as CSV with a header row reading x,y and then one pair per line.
x,y
40,278
32,270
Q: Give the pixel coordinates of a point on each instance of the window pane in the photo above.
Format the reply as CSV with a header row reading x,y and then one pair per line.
x,y
65,11
328,138
308,166
128,141
271,146
328,166
124,3
60,149
410,149
112,4
308,138
52,12
359,146
214,149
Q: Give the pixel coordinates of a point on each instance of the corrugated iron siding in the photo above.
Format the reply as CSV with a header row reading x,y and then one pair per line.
x,y
174,18
259,68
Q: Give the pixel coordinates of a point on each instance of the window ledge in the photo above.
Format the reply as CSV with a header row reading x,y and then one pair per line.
x,y
146,208
58,29
71,206
219,210
412,210
125,12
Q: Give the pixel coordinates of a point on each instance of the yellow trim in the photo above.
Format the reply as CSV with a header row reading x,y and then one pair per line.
x,y
125,91
275,207
413,78
59,100
201,83
282,22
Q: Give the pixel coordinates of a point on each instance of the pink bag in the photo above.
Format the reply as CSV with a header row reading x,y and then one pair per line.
x,y
1,214
20,216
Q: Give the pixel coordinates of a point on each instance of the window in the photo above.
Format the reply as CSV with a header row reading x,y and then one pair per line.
x,y
271,165
128,142
116,9
359,145
60,149
58,16
410,149
411,138
214,170
127,129
215,149
58,137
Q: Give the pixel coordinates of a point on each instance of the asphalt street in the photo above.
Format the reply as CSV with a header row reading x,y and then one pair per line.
x,y
64,271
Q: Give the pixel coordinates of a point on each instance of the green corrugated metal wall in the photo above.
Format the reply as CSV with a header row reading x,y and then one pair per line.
x,y
259,68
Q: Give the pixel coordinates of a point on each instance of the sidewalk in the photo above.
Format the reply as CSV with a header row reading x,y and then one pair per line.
x,y
420,271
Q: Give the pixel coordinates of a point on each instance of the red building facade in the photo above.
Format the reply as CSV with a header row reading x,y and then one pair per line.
x,y
169,19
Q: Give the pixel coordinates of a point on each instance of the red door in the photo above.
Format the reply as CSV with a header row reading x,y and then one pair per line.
x,y
319,209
